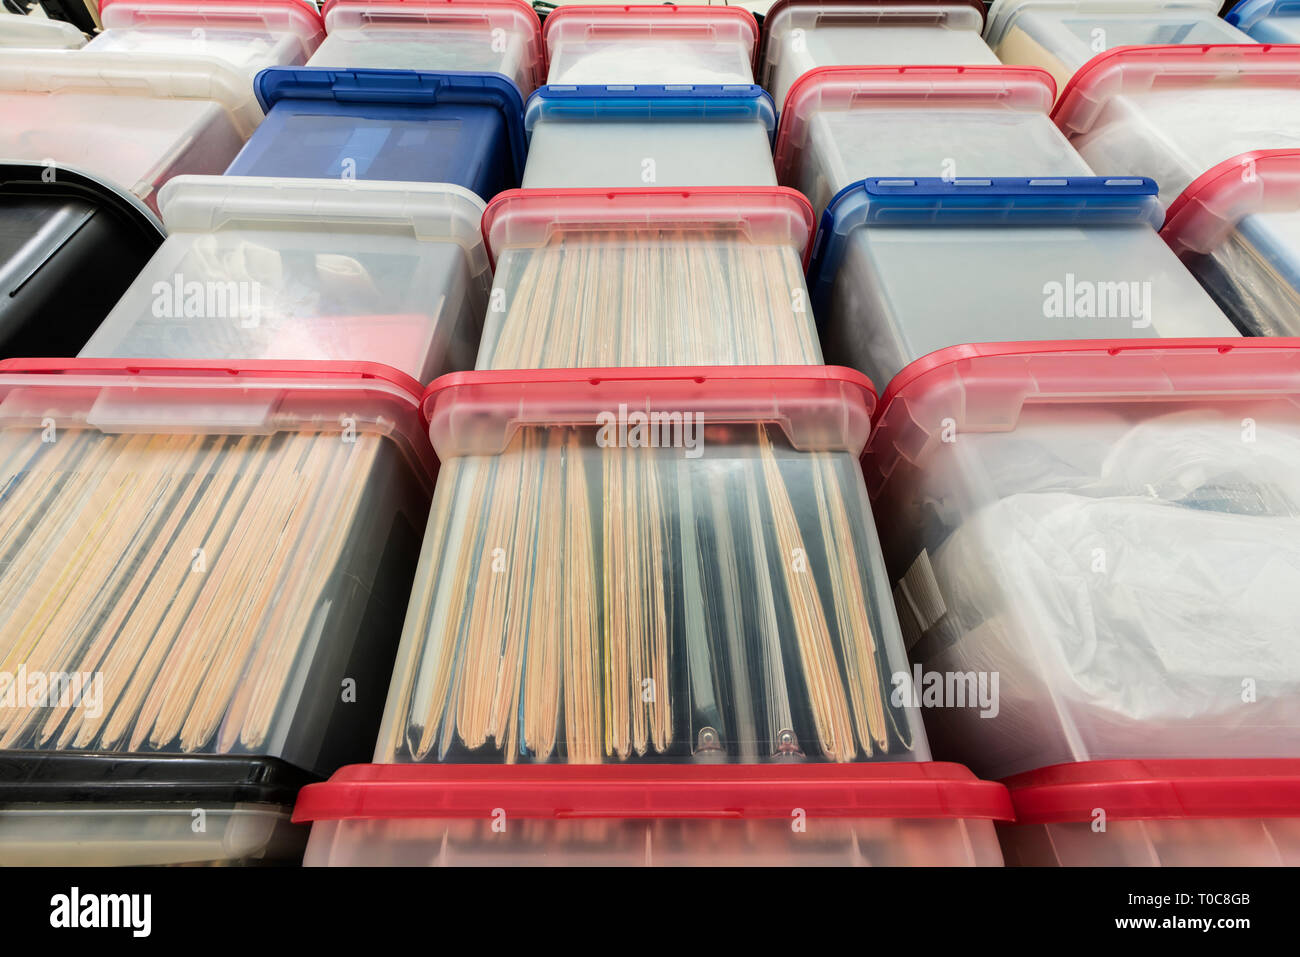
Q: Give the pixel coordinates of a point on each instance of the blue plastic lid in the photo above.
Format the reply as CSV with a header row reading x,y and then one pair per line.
x,y
667,102
1247,13
884,202
399,88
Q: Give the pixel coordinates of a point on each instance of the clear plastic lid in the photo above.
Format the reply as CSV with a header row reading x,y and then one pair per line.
x,y
848,89
650,44
38,33
305,269
1003,14
1110,528
244,17
649,513
589,277
1214,205
160,513
503,36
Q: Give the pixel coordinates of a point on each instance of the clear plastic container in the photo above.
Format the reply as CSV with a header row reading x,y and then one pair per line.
x,y
397,125
920,814
38,33
650,44
1173,112
134,120
1237,228
1108,528
306,269
469,36
652,276
801,35
1021,260
1267,21
602,136
732,705
247,34
69,247
1062,35
1188,813
843,124
214,576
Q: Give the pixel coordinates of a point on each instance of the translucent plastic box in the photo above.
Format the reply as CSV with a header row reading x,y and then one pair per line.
x,y
704,615
1062,35
248,34
69,246
1174,112
470,36
134,120
307,269
906,267
1267,21
1237,228
843,124
650,44
1179,813
38,33
619,136
397,125
801,35
210,565
652,276
1110,529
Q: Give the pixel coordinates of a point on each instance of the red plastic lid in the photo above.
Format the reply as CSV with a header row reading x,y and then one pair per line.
x,y
1144,68
818,407
1263,181
985,387
304,13
460,5
831,6
1158,790
639,20
185,394
766,214
1020,88
740,792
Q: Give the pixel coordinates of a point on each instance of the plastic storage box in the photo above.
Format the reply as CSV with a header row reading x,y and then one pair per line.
x,y
906,267
248,34
1268,21
1062,35
211,587
843,124
460,128
1237,228
649,135
1174,112
303,269
469,36
38,33
653,276
133,120
667,635
1216,813
1110,530
801,35
69,247
650,44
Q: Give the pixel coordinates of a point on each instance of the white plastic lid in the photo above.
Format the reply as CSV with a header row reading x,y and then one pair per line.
x,y
37,33
143,75
1003,13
